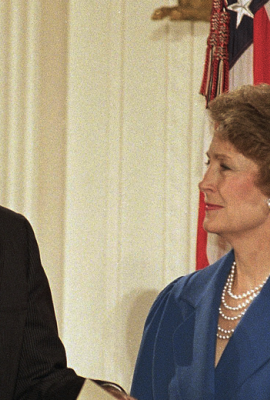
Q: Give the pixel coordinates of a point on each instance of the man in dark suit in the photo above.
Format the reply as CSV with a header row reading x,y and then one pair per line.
x,y
32,356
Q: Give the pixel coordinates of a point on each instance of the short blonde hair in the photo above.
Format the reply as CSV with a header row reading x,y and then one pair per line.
x,y
242,117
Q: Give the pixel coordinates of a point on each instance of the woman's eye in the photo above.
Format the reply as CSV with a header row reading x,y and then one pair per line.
x,y
224,167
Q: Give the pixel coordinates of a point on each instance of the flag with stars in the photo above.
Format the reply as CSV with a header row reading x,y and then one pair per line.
x,y
238,53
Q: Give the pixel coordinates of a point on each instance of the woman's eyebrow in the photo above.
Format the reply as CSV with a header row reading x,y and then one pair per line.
x,y
218,155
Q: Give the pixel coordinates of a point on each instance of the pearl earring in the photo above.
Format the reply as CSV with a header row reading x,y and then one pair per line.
x,y
268,203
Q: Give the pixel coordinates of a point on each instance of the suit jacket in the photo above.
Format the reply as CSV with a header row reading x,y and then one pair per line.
x,y
32,357
177,354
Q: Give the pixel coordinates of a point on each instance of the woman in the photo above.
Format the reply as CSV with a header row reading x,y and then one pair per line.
x,y
207,335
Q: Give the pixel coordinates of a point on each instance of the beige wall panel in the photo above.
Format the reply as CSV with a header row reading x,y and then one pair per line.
x,y
87,180
178,149
198,115
49,142
142,178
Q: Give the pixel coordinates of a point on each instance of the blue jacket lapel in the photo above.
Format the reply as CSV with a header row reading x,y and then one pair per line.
x,y
193,339
248,349
201,365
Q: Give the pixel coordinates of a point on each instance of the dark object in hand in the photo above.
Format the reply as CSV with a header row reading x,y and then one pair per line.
x,y
114,389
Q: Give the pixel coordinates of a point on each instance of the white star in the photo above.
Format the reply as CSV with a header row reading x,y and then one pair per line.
x,y
241,8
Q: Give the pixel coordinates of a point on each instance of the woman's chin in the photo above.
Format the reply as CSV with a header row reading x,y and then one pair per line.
x,y
210,228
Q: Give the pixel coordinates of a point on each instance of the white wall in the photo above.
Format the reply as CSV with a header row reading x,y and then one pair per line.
x,y
101,137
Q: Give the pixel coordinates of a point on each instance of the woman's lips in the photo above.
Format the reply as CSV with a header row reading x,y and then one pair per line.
x,y
209,207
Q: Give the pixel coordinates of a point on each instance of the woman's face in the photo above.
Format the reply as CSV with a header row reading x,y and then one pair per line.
x,y
235,206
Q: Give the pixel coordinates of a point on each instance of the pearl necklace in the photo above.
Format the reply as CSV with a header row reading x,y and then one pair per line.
x,y
243,295
248,297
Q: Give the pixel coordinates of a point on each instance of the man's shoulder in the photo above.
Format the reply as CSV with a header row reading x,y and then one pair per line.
x,y
11,221
7,213
192,286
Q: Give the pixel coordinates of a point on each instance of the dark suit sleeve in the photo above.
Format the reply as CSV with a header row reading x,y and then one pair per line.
x,y
42,369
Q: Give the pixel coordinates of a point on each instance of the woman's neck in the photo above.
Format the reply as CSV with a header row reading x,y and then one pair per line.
x,y
252,256
252,268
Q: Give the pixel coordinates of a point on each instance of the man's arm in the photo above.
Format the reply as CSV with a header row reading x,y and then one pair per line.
x,y
43,372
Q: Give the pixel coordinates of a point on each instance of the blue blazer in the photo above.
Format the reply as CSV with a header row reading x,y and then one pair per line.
x,y
176,360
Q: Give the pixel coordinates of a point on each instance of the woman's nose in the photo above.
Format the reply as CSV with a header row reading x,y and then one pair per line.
x,y
201,185
208,182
